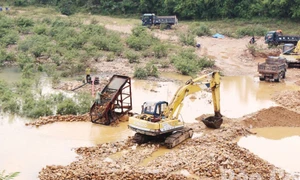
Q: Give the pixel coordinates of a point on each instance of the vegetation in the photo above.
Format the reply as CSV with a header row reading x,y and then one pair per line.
x,y
185,9
188,63
142,72
9,176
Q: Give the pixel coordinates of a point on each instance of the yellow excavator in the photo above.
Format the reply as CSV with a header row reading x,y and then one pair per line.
x,y
292,54
159,120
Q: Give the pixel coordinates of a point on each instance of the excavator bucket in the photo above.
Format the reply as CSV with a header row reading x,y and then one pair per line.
x,y
213,122
113,102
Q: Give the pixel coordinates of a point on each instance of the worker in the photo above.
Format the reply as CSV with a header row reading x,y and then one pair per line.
x,y
252,40
88,74
98,97
198,45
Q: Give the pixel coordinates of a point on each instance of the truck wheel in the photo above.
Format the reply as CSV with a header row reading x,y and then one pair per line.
x,y
261,78
168,26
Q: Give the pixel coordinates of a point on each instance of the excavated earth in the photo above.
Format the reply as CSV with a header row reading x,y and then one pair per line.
x,y
206,156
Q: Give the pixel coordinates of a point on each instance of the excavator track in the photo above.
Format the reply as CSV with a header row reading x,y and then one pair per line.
x,y
140,138
178,137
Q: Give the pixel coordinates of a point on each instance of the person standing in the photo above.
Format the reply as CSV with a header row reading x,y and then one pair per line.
x,y
88,74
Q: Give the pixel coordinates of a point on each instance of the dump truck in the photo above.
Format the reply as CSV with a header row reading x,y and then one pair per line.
x,y
113,102
276,37
160,120
273,69
150,19
292,54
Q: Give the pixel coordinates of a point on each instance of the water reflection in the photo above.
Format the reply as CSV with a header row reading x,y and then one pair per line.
x,y
278,145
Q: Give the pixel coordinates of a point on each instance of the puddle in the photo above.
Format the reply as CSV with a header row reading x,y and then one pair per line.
x,y
159,152
278,145
29,149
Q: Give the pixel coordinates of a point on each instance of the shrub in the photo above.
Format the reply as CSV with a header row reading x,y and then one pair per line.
x,y
36,44
12,106
9,38
187,39
139,39
68,106
84,102
188,63
67,7
132,56
151,69
24,22
160,50
201,30
140,73
40,29
165,63
4,56
110,57
257,30
24,59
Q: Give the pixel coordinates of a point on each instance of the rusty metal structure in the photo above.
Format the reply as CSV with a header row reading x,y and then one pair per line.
x,y
113,101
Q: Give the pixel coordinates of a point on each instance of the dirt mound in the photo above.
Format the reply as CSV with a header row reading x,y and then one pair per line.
x,y
288,99
274,116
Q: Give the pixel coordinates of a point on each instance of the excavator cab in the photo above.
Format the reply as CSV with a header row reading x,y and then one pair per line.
x,y
154,110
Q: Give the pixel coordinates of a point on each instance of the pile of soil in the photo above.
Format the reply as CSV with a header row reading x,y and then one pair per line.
x,y
274,116
206,157
288,99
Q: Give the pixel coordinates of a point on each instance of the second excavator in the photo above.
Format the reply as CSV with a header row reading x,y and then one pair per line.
x,y
159,120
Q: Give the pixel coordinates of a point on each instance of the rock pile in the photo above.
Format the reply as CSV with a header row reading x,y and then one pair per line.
x,y
288,99
210,156
59,118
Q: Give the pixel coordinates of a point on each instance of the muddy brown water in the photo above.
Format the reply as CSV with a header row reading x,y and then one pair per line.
x,y
278,145
29,149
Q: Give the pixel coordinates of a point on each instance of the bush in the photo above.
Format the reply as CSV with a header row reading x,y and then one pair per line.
x,y
68,106
165,63
132,56
84,102
139,39
36,44
67,7
140,73
4,56
160,50
151,69
24,22
110,57
9,38
257,30
40,29
187,39
201,30
188,63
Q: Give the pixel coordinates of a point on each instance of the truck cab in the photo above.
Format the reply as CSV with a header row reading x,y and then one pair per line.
x,y
147,19
270,37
